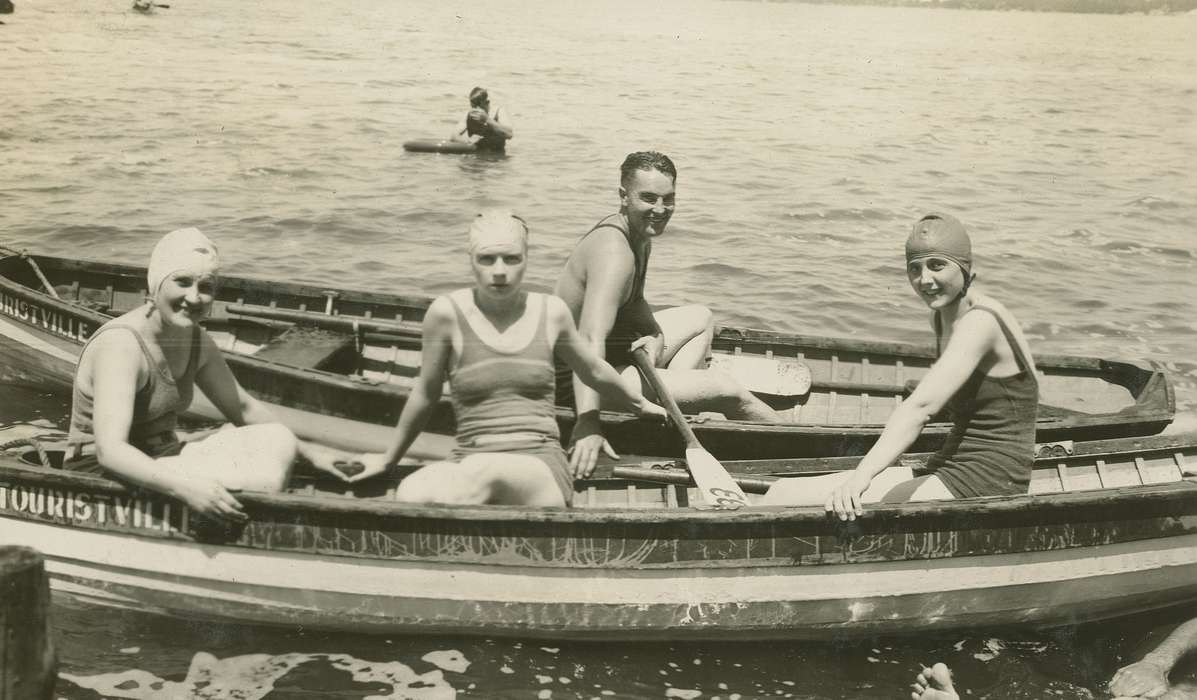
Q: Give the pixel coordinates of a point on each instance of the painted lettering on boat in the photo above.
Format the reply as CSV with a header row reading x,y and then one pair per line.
x,y
103,510
47,318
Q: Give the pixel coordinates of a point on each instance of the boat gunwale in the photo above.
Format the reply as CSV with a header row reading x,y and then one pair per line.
x,y
878,514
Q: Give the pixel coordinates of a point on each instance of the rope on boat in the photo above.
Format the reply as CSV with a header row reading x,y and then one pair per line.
x,y
37,270
30,442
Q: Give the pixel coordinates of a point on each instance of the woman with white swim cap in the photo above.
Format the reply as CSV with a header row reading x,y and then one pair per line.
x,y
495,344
136,375
984,374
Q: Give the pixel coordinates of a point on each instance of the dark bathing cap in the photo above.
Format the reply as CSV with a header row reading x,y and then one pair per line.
x,y
478,96
940,235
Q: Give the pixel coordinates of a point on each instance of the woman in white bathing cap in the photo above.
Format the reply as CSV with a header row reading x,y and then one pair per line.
x,y
495,344
136,375
984,374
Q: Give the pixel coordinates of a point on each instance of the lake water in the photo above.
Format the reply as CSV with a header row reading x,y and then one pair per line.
x,y
807,138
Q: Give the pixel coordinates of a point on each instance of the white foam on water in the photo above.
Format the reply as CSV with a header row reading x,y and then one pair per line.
x,y
451,660
252,677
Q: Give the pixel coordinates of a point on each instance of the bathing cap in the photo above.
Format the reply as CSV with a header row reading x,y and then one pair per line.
x,y
497,226
181,249
940,235
478,96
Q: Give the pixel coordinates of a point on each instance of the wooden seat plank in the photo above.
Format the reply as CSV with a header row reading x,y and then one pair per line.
x,y
305,347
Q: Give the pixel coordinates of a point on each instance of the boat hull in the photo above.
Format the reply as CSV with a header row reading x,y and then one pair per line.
x,y
744,603
646,567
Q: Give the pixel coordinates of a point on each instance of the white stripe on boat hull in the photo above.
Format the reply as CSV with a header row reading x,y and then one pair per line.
x,y
748,602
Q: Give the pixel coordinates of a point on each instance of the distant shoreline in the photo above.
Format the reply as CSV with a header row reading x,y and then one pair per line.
x,y
1101,7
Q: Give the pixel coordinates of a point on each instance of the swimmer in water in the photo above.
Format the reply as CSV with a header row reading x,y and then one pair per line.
x,y
487,127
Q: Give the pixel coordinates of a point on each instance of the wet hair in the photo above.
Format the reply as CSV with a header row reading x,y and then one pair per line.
x,y
477,96
646,160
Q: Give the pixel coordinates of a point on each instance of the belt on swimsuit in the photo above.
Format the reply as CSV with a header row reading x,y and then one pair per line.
x,y
483,440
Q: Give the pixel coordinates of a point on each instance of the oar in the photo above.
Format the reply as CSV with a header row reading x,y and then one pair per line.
x,y
750,484
322,320
714,483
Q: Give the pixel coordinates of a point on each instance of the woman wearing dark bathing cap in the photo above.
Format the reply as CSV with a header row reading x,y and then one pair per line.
x,y
983,373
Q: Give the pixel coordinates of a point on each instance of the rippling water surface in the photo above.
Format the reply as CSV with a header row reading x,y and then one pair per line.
x,y
807,138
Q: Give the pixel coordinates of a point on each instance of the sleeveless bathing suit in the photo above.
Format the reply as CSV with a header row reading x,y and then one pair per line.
x,y
990,449
489,141
156,407
624,331
500,393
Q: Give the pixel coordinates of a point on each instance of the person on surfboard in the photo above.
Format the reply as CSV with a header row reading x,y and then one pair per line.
x,y
487,127
495,343
984,374
137,374
603,286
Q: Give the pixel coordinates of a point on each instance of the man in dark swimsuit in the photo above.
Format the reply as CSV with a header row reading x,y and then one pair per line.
x,y
603,286
485,126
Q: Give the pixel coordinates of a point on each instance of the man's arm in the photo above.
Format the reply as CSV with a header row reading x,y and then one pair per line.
x,y
1149,677
460,132
501,125
610,268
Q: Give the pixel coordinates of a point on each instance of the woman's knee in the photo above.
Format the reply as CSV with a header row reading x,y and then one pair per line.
x,y
458,483
281,447
516,479
274,448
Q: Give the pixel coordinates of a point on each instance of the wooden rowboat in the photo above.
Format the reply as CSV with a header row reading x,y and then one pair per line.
x,y
1109,530
338,364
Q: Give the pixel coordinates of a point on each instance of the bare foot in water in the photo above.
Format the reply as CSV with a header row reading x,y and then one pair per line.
x,y
934,683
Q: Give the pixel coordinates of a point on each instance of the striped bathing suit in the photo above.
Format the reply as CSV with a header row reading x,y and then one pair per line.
x,y
500,393
156,406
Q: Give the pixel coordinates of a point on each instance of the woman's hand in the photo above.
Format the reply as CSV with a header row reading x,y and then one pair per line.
x,y
372,463
845,500
328,460
206,496
1144,679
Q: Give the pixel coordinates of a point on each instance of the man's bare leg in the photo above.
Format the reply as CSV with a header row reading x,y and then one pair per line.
x,y
687,332
699,390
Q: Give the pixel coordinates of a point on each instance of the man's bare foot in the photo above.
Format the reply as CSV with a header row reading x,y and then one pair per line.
x,y
934,683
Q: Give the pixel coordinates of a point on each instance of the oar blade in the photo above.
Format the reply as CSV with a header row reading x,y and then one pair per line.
x,y
764,375
715,485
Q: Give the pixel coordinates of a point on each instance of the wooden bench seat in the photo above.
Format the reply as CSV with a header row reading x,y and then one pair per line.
x,y
306,347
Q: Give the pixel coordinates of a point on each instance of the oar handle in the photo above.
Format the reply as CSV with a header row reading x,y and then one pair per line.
x,y
645,364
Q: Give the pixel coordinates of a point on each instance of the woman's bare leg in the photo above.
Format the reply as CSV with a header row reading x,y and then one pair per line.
x,y
493,477
250,458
